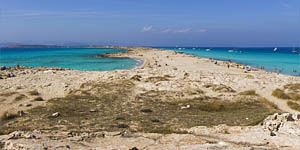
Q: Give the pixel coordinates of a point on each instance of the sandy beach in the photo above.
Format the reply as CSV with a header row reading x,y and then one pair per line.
x,y
171,101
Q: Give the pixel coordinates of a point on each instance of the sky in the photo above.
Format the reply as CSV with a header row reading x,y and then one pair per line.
x,y
152,22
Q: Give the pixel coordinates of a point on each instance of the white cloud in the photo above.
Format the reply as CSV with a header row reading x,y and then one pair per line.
x,y
172,30
166,30
186,30
147,29
286,5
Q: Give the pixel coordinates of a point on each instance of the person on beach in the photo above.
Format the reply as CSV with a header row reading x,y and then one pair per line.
x,y
274,70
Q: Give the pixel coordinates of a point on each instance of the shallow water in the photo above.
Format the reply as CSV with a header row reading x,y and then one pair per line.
x,y
282,59
72,58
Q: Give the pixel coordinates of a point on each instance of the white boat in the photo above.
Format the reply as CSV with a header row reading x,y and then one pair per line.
x,y
275,49
294,50
208,49
231,50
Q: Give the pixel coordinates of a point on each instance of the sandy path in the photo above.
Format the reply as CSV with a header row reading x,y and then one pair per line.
x,y
282,105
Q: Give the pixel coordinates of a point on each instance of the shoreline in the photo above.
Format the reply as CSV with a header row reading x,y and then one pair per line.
x,y
170,98
138,65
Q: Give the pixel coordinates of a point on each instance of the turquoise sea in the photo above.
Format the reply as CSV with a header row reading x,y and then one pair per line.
x,y
84,58
72,58
286,59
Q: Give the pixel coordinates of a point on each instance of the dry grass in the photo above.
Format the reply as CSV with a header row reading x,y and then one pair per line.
x,y
34,93
220,88
157,79
249,92
293,105
118,107
7,94
19,88
294,96
280,94
20,97
293,87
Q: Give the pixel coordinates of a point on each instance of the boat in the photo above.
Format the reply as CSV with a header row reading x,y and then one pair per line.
x,y
275,49
231,50
294,50
207,49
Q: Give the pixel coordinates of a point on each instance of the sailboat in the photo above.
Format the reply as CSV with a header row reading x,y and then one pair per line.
x,y
294,50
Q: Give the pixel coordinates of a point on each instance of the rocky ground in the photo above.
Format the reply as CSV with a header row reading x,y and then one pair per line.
x,y
173,101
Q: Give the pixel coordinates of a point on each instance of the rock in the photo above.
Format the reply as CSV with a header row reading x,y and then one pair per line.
x,y
272,134
185,107
93,110
134,148
102,135
68,146
55,114
284,123
136,78
146,111
47,85
30,136
123,126
15,135
2,68
28,105
290,118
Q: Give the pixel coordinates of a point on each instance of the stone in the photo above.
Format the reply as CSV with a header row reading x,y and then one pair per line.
x,y
28,105
290,118
2,68
55,114
93,110
134,148
68,146
272,134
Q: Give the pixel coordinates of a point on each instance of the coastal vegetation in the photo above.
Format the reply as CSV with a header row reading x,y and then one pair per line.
x,y
7,94
20,97
280,94
114,106
294,105
249,92
290,92
34,93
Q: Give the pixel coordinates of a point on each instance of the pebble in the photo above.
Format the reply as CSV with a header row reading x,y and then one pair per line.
x,y
55,114
28,105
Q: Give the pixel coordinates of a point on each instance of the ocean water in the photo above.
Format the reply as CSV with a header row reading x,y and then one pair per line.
x,y
283,58
72,58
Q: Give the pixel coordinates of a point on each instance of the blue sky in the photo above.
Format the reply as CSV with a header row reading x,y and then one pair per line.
x,y
152,22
